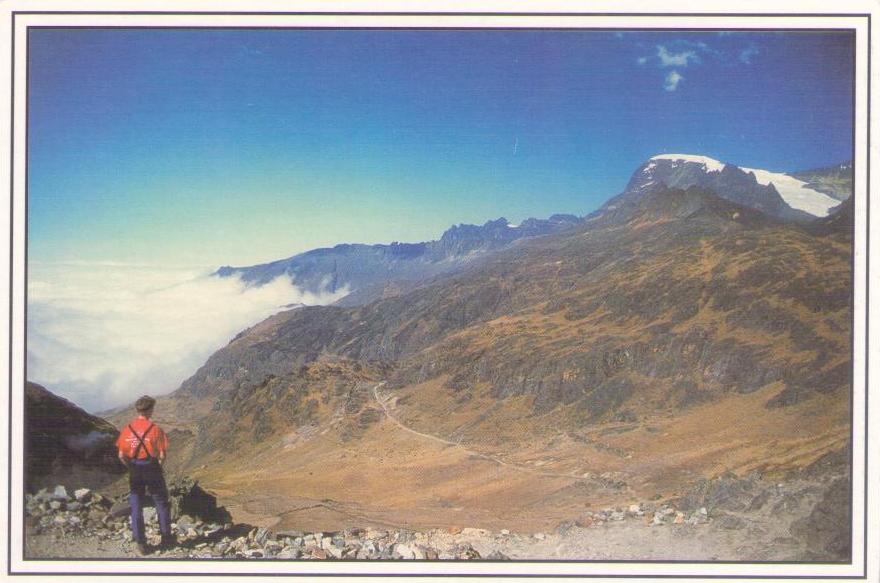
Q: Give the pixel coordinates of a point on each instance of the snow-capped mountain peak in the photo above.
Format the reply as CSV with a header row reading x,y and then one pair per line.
x,y
711,164
774,193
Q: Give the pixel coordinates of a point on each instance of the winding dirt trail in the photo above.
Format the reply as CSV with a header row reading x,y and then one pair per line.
x,y
519,468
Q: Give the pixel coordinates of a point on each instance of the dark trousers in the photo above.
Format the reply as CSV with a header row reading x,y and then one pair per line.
x,y
146,475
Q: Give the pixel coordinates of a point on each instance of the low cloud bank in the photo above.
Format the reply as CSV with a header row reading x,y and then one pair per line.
x,y
102,334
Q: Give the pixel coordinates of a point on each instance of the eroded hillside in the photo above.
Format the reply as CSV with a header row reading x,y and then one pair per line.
x,y
672,337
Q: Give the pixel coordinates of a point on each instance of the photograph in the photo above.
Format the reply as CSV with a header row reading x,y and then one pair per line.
x,y
495,294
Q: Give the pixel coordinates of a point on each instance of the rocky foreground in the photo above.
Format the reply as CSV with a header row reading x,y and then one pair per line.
x,y
728,518
89,514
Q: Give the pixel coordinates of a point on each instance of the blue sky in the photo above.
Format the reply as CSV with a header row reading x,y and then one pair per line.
x,y
236,147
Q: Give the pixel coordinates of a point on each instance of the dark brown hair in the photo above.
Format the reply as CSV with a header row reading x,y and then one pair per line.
x,y
145,404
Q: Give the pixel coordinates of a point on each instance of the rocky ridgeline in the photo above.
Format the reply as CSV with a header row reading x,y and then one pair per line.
x,y
205,533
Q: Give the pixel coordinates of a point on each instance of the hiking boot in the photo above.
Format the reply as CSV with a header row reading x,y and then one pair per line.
x,y
143,549
169,541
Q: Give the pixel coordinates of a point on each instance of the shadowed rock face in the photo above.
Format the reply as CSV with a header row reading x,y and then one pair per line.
x,y
371,271
840,220
730,183
64,444
676,294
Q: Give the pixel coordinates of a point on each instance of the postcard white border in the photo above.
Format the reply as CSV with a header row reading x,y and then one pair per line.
x,y
12,401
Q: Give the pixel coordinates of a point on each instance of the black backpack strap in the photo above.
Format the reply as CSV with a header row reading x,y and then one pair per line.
x,y
141,443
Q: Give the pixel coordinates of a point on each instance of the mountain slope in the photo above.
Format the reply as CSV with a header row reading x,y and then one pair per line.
x,y
673,337
671,221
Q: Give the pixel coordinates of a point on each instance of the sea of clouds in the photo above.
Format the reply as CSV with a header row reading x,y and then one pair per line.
x,y
102,334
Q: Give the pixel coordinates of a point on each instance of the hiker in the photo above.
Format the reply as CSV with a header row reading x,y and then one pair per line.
x,y
142,445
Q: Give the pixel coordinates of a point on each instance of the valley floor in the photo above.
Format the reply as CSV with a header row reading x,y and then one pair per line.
x,y
731,519
397,489
398,474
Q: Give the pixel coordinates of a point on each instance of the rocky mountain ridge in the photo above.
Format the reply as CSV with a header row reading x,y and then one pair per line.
x,y
371,271
784,196
363,273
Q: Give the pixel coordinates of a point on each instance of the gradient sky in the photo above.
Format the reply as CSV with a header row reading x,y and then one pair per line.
x,y
235,147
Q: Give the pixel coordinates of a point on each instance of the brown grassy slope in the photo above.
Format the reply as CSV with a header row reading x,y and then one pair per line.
x,y
318,476
678,337
694,307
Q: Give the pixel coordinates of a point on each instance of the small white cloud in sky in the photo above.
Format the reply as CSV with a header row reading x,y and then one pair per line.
x,y
680,59
103,334
681,52
672,81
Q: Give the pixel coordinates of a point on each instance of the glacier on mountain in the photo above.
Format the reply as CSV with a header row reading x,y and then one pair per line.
x,y
796,193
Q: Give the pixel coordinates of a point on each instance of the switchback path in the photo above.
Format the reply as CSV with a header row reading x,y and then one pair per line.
x,y
516,467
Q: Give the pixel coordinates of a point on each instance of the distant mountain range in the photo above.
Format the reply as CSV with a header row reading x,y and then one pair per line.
x,y
373,271
370,272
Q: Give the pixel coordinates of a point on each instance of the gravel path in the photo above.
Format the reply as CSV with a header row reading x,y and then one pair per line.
x,y
383,402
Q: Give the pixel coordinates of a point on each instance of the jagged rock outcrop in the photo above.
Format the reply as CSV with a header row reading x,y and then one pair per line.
x,y
64,444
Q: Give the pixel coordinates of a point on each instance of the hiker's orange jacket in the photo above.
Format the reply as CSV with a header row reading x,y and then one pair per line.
x,y
155,442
